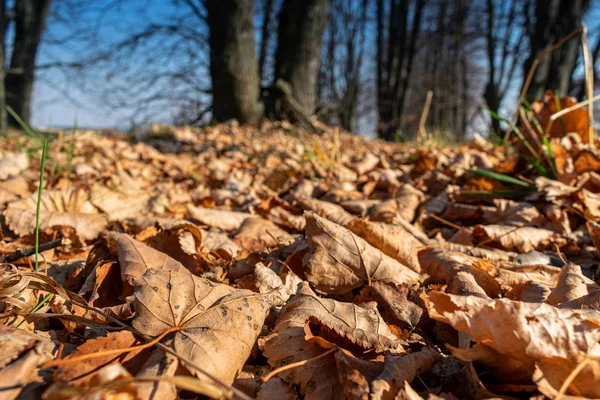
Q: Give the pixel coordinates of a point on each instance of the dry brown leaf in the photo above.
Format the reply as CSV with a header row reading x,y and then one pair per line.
x,y
181,240
258,234
219,243
591,204
16,375
58,208
83,372
553,189
571,285
159,364
443,266
120,202
508,212
398,370
276,388
354,325
575,121
408,199
12,164
391,240
522,239
217,324
533,334
223,219
331,211
366,164
136,258
340,261
356,374
392,303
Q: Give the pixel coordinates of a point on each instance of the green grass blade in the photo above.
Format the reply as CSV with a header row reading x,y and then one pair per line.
x,y
499,177
25,127
39,203
71,150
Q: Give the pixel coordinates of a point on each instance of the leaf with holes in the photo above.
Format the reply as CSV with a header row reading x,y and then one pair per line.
x,y
216,325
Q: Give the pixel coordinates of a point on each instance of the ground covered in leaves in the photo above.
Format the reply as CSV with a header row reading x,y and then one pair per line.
x,y
234,262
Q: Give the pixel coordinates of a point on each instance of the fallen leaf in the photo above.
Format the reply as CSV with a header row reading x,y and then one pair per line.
x,y
340,261
70,208
223,219
391,240
357,326
217,325
398,370
522,239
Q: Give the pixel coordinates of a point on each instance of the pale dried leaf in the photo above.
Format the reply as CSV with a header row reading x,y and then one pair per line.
x,y
522,239
218,324
58,208
396,243
398,370
136,258
340,261
223,219
11,164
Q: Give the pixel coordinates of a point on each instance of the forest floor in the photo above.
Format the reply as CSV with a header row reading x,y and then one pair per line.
x,y
237,262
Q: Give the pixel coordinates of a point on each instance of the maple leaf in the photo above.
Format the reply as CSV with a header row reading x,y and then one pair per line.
x,y
217,325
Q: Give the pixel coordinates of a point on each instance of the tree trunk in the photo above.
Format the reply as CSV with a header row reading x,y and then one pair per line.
x,y
554,20
265,36
3,119
30,18
394,61
233,64
300,34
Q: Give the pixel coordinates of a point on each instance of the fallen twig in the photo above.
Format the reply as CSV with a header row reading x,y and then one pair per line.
x,y
29,251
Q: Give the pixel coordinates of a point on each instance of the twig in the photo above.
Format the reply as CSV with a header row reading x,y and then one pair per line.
x,y
296,364
422,132
577,106
29,251
589,80
571,378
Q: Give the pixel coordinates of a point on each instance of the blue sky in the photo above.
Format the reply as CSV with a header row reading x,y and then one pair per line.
x,y
59,99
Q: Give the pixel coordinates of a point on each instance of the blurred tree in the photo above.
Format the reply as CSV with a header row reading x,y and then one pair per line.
x,y
547,22
29,17
233,66
341,75
505,45
300,34
397,37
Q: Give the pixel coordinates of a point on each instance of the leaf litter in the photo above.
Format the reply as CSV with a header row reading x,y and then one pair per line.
x,y
267,263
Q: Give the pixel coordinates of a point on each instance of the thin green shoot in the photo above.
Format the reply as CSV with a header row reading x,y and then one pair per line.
x,y
38,306
517,132
71,149
20,121
39,203
499,177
